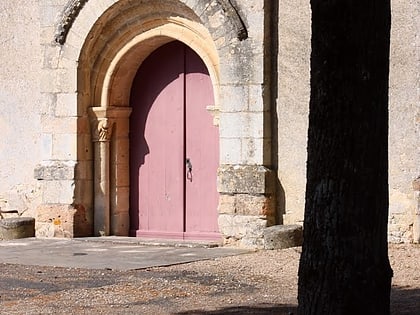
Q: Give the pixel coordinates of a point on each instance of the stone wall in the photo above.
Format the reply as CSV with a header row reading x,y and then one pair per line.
x,y
404,113
404,117
293,104
261,82
20,105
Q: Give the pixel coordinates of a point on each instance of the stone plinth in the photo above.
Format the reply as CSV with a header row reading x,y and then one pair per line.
x,y
60,220
283,236
13,228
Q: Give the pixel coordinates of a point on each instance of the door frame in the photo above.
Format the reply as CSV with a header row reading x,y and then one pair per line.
x,y
184,208
111,144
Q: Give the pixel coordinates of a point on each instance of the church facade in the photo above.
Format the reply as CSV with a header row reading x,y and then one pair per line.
x,y
179,119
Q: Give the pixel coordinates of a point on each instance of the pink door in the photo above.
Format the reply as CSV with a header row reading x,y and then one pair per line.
x,y
174,149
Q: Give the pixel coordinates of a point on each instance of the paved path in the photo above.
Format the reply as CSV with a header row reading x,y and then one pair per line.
x,y
116,253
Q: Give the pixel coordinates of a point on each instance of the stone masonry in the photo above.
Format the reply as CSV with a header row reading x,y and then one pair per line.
x,y
64,109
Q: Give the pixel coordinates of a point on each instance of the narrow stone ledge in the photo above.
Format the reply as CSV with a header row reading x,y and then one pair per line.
x,y
283,236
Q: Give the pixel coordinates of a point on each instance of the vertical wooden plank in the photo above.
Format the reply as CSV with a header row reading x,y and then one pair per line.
x,y
202,149
157,136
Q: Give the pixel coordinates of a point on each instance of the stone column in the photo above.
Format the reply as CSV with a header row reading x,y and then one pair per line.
x,y
119,171
110,127
101,136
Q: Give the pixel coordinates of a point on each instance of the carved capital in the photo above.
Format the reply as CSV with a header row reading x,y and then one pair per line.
x,y
102,130
103,121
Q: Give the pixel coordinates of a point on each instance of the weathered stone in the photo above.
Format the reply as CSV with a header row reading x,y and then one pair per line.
x,y
416,184
13,228
243,230
283,236
257,205
245,179
57,170
261,108
58,220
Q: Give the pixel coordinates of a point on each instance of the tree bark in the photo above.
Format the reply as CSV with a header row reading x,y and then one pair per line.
x,y
344,267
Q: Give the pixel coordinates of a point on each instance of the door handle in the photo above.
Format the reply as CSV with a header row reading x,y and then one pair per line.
x,y
189,169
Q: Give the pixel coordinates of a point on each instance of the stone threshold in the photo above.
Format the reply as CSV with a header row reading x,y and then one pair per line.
x,y
152,242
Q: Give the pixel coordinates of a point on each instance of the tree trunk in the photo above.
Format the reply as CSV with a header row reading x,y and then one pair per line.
x,y
344,267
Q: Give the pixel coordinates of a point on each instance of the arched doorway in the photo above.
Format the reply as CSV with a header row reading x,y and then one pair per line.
x,y
174,147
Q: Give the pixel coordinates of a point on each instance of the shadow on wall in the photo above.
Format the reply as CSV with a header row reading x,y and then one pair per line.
x,y
259,309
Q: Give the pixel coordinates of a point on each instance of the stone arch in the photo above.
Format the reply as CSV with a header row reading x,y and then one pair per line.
x,y
73,8
113,43
96,33
98,44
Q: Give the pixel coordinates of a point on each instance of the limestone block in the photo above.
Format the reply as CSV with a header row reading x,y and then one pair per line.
x,y
55,170
46,146
244,204
48,15
416,184
61,220
120,224
13,228
254,151
70,54
82,221
50,124
251,242
230,125
83,192
229,153
121,203
59,217
65,146
242,124
121,151
122,175
241,226
44,229
83,170
66,105
256,100
58,191
51,53
247,179
234,98
84,147
283,236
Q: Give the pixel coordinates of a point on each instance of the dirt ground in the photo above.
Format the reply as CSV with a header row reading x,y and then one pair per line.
x,y
260,283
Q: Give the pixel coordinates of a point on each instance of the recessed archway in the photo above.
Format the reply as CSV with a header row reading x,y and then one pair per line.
x,y
104,43
104,92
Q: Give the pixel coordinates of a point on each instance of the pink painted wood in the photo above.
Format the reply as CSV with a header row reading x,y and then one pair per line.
x,y
202,149
169,123
157,151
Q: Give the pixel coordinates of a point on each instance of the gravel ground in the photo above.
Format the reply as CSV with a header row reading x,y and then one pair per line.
x,y
263,282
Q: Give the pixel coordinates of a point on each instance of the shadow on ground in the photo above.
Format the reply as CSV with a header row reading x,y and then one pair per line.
x,y
263,309
405,301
